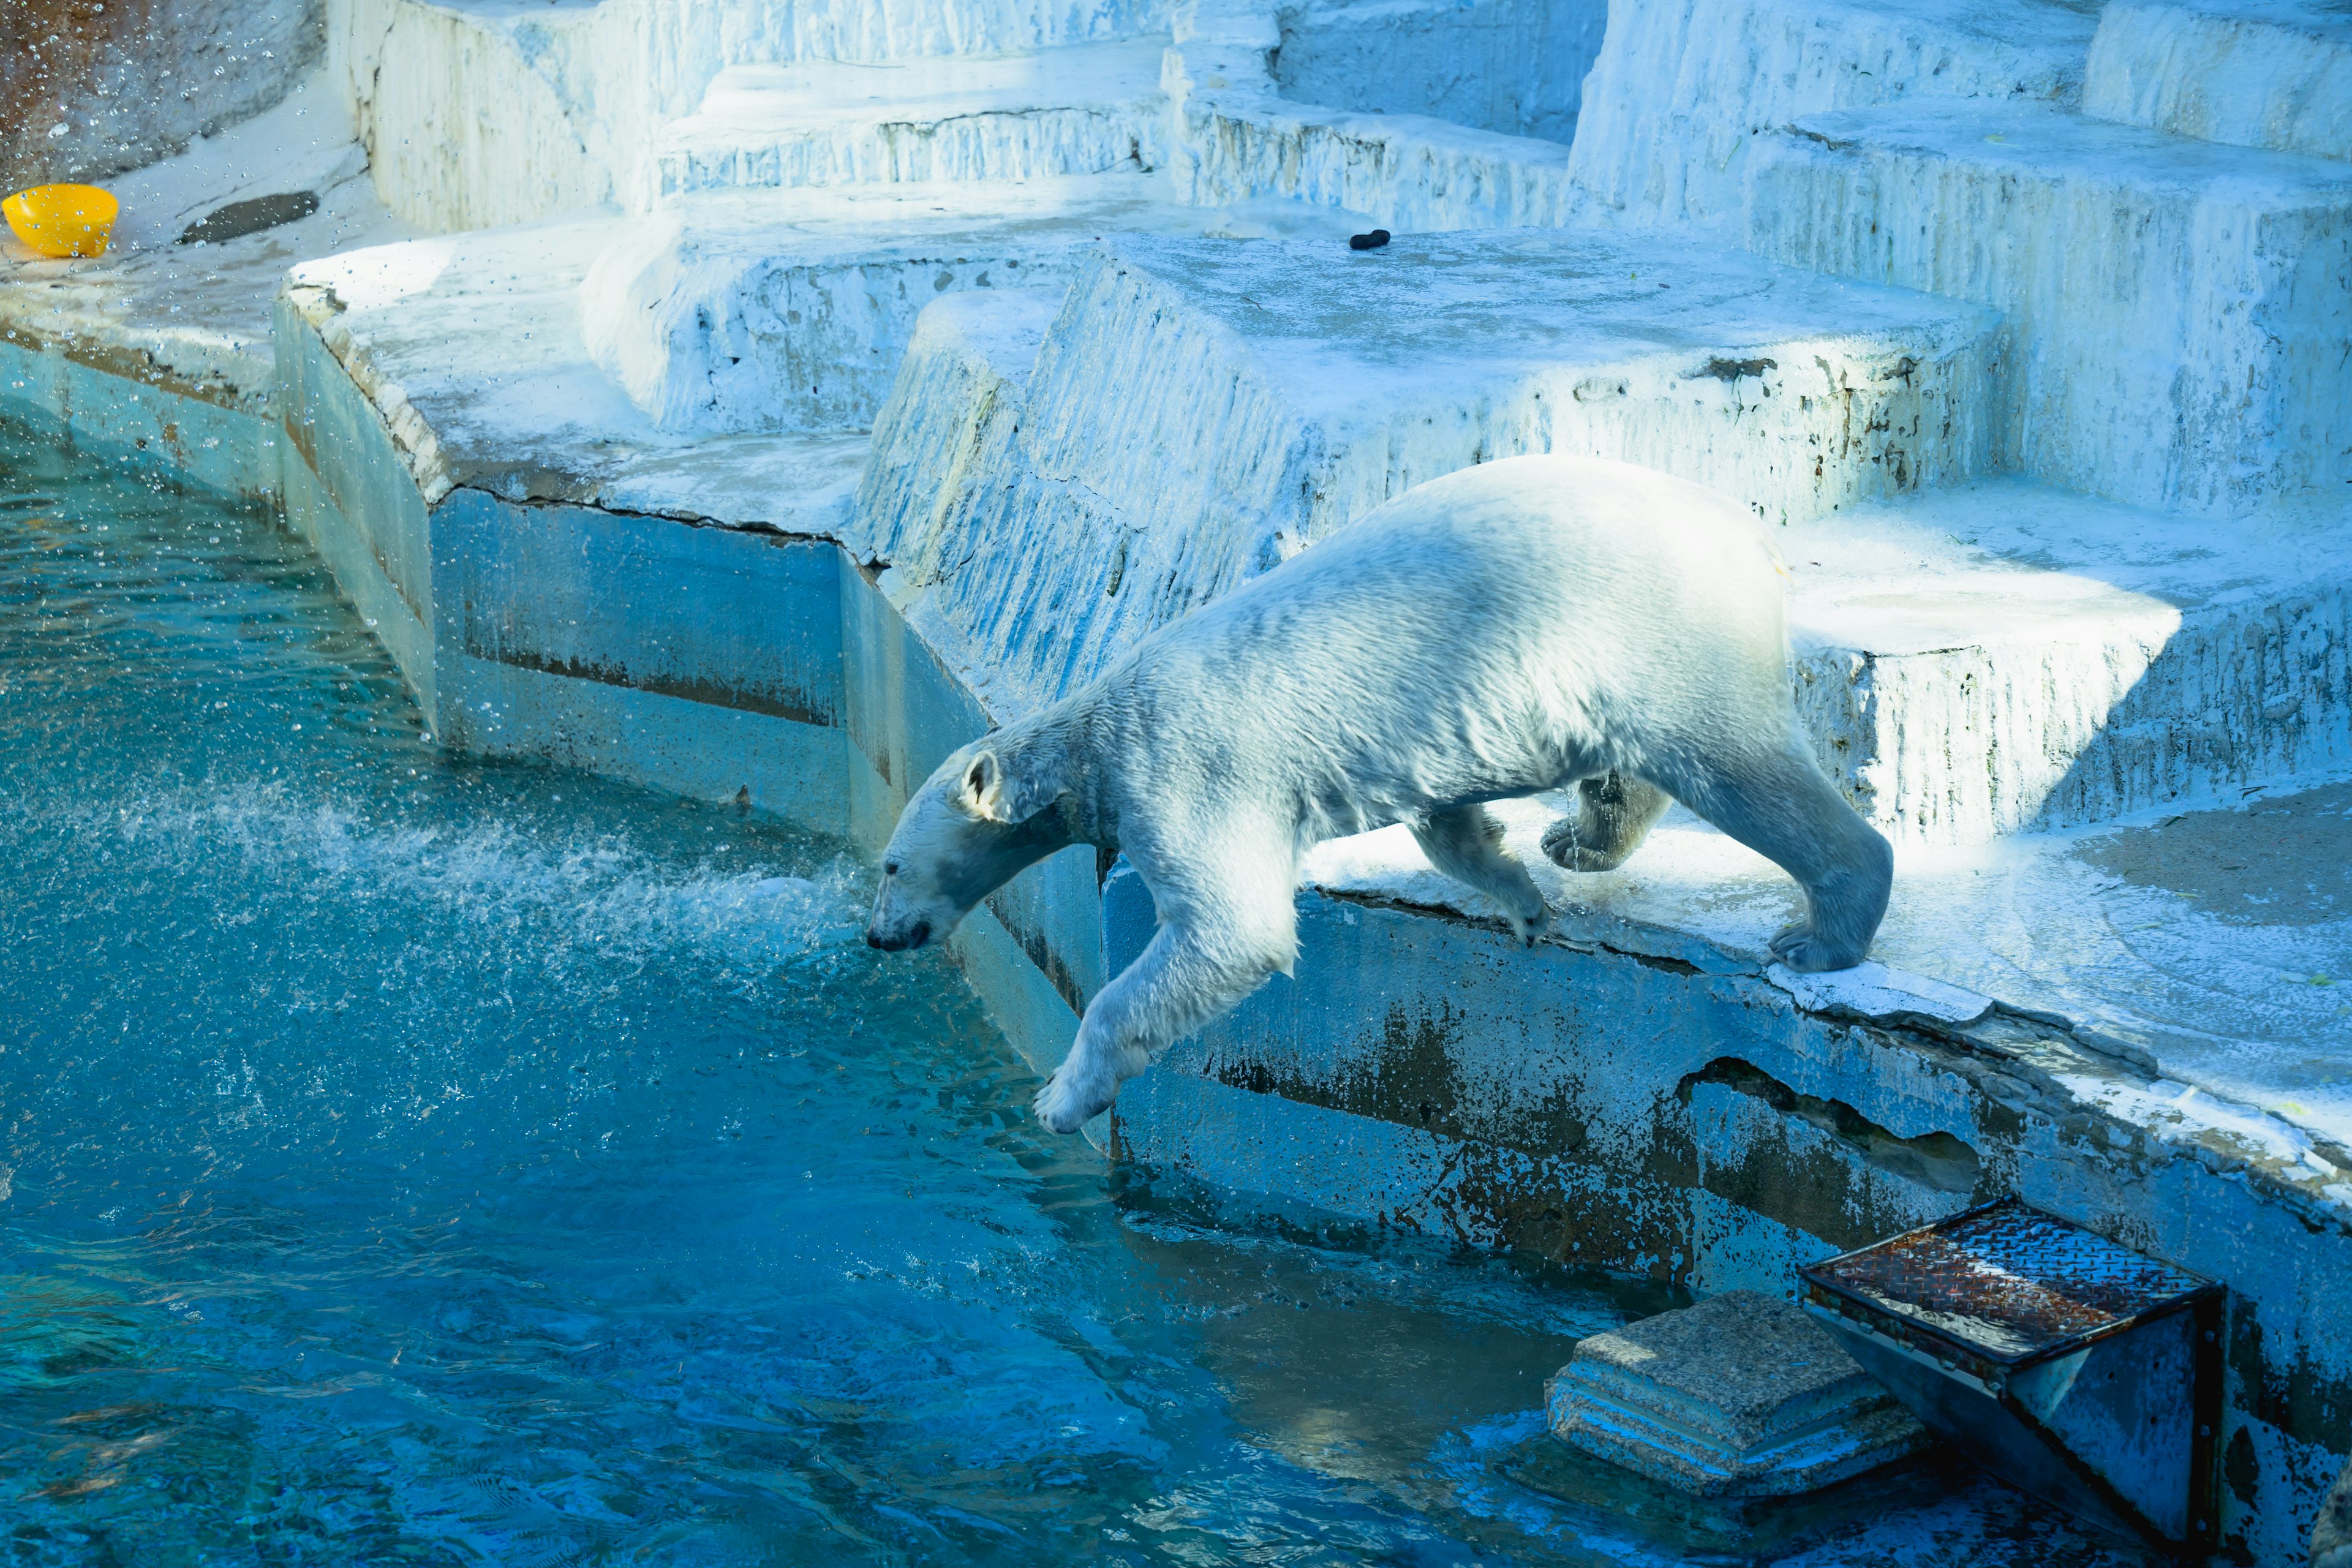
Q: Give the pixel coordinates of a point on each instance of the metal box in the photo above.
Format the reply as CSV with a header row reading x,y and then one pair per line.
x,y
2075,1368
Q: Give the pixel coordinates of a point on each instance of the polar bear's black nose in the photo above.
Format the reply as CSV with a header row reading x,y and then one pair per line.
x,y
916,934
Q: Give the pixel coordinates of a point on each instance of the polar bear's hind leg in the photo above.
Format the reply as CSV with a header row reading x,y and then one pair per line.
x,y
1782,807
1613,816
1466,844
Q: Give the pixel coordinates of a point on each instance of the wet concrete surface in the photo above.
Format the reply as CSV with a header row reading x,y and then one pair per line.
x,y
2279,859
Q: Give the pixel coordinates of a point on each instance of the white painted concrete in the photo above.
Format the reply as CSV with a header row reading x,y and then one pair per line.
x,y
546,423
1280,389
2003,658
479,112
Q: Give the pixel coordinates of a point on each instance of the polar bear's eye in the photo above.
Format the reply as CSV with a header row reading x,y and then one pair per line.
x,y
889,867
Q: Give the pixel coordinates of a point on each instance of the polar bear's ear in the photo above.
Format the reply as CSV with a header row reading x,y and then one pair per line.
x,y
984,791
980,788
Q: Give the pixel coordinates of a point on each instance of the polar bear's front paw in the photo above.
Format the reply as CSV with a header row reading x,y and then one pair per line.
x,y
1070,1100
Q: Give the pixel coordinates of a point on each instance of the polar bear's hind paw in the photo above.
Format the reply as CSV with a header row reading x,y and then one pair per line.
x,y
1803,949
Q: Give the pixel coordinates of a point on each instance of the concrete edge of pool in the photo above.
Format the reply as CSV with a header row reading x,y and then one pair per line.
x,y
1676,1118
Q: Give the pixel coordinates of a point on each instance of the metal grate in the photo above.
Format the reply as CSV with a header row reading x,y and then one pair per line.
x,y
2009,1281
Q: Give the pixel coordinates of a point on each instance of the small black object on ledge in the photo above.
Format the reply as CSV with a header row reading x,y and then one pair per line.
x,y
1371,241
251,216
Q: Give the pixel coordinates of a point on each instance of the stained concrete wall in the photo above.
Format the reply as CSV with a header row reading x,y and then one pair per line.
x,y
92,88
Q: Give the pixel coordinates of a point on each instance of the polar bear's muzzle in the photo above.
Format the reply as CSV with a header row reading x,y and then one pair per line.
x,y
915,935
905,918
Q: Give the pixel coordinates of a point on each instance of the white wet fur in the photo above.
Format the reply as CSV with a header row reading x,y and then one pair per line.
x,y
1523,626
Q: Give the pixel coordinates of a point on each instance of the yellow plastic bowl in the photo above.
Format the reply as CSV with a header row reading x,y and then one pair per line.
x,y
63,220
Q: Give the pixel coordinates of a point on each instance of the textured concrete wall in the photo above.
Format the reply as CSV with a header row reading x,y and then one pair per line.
x,y
1513,66
94,87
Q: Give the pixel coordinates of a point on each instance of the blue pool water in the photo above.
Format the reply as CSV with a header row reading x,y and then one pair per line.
x,y
411,1159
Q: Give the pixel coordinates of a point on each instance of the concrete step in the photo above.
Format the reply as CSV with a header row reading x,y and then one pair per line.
x,y
2272,73
1682,88
538,421
1087,108
771,311
1241,135
2004,657
2177,308
690,37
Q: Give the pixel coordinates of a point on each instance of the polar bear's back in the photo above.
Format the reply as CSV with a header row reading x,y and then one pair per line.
x,y
1570,552
1485,629
1580,526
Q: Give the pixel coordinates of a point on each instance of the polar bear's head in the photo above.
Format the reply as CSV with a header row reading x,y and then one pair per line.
x,y
975,823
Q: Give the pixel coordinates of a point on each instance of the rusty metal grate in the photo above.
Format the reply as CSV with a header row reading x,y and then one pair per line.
x,y
2009,1282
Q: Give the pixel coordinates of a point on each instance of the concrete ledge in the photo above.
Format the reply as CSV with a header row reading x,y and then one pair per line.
x,y
1636,1112
122,398
1738,69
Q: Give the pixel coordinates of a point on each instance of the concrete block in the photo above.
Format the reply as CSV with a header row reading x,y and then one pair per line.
x,y
542,421
2176,310
471,118
2256,73
1513,66
480,115
681,45
1406,173
2002,658
1741,1395
1241,136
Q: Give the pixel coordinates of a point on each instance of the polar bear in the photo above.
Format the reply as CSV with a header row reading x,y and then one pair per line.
x,y
1530,624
